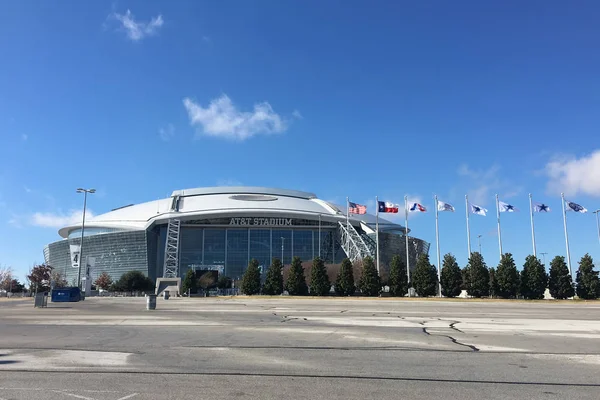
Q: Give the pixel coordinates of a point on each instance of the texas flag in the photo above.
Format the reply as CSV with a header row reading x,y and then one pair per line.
x,y
387,207
417,207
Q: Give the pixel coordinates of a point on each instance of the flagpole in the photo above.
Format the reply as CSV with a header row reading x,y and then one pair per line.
x,y
406,237
437,245
468,227
499,231
377,230
562,196
532,226
347,226
319,235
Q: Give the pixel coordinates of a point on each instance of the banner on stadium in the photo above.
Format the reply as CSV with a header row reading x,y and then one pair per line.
x,y
75,255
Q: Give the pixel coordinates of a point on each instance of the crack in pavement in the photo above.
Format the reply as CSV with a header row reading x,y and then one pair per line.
x,y
454,327
452,339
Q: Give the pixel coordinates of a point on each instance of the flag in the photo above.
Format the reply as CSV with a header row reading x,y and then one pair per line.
x,y
445,206
354,208
478,210
387,207
541,207
575,207
505,207
417,207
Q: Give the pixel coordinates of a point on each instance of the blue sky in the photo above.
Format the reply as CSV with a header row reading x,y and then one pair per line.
x,y
341,98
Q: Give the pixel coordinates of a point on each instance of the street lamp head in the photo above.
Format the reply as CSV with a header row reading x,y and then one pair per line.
x,y
80,190
92,190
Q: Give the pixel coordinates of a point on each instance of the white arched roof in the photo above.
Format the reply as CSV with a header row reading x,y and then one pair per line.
x,y
223,202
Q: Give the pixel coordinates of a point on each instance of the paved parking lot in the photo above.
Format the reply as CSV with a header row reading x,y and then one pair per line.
x,y
112,348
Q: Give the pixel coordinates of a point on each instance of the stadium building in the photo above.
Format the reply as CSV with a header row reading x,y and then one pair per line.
x,y
222,229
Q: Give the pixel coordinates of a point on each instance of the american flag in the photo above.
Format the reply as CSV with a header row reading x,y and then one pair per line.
x,y
354,208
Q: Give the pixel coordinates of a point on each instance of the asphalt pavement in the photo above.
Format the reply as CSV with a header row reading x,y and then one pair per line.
x,y
281,347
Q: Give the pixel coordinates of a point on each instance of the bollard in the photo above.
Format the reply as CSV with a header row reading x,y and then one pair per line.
x,y
166,295
151,302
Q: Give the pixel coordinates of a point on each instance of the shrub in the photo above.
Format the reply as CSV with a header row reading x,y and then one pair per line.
x,y
251,279
369,283
451,276
344,284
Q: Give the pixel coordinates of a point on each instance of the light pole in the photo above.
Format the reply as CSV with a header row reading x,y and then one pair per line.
x,y
479,242
85,193
282,240
597,212
544,255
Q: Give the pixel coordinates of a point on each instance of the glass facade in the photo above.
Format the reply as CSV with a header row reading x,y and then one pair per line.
x,y
115,253
218,246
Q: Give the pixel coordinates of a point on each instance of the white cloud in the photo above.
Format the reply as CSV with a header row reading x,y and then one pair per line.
x,y
167,133
137,30
483,184
296,114
207,39
27,190
222,119
575,175
24,137
58,220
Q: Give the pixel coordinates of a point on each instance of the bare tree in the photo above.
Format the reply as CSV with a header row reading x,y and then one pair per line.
x,y
6,277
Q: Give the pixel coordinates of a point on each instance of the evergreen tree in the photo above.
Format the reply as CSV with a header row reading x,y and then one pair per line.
x,y
398,279
588,285
493,283
478,276
344,284
369,283
507,277
296,282
319,281
451,278
425,277
533,278
274,279
560,282
251,279
190,282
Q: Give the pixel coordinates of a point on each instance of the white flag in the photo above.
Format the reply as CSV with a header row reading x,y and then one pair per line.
x,y
478,210
575,207
505,207
444,206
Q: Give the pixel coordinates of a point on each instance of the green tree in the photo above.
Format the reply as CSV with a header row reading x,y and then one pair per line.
x,y
478,284
493,283
507,277
133,281
103,281
190,283
425,277
251,279
560,282
319,281
296,281
274,281
588,285
344,284
369,283
533,278
451,278
398,279
224,282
